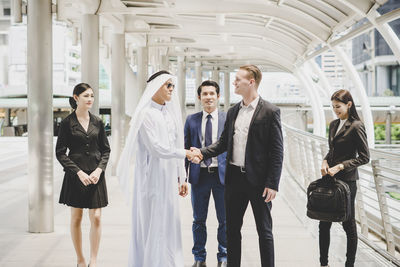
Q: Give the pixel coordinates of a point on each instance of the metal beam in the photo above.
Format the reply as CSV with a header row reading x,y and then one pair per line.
x,y
299,20
387,33
388,17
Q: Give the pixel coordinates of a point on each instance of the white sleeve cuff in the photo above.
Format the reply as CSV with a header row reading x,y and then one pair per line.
x,y
181,153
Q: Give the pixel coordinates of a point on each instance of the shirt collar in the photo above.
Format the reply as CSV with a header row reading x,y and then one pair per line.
x,y
214,114
253,104
157,106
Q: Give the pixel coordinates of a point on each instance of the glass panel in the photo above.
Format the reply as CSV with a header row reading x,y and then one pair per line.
x,y
389,6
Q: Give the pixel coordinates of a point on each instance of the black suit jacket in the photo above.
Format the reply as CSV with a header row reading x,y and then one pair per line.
x,y
264,148
349,147
87,150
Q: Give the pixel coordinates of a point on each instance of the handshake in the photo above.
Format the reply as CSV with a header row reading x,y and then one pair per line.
x,y
194,155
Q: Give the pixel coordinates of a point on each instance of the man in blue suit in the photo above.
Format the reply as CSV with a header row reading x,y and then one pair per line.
x,y
201,130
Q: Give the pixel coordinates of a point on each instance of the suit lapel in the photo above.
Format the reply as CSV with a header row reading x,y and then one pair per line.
x,y
92,123
259,106
199,119
220,123
76,125
333,130
345,126
234,116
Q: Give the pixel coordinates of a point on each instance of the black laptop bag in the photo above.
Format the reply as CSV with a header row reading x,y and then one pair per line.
x,y
328,199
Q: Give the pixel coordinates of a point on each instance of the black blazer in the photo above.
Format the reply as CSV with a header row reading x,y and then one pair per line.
x,y
264,148
349,147
87,150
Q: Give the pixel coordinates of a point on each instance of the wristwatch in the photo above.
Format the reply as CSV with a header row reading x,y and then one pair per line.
x,y
341,166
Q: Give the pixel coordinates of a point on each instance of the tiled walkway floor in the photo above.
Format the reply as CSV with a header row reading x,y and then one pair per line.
x,y
296,242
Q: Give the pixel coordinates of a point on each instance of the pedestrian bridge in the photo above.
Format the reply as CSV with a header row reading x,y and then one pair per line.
x,y
296,236
132,39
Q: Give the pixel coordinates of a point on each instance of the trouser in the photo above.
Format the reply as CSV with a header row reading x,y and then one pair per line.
x,y
349,227
208,183
238,193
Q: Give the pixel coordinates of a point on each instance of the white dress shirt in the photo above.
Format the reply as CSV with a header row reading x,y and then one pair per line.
x,y
241,132
342,122
214,123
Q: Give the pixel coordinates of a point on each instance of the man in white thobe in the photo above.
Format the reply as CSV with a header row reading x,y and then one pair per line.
x,y
155,142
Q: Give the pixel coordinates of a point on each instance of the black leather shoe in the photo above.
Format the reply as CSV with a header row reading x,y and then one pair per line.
x,y
199,264
222,264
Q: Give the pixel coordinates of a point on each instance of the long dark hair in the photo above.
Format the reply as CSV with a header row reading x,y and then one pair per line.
x,y
155,75
78,89
344,96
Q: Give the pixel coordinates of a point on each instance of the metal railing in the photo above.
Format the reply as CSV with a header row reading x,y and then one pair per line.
x,y
377,213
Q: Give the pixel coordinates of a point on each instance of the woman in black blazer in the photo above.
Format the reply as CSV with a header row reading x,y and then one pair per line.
x,y
84,185
348,149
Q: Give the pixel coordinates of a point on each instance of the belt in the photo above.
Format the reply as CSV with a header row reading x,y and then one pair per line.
x,y
210,169
238,168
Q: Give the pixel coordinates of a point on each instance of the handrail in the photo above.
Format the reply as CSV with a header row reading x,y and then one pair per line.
x,y
376,211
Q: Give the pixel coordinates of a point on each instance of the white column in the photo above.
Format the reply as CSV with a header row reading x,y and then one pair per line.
x,y
154,64
90,56
310,74
373,72
164,62
362,96
316,105
317,90
181,86
227,93
215,75
40,117
118,96
388,128
304,118
325,82
131,93
142,68
198,74
4,65
7,114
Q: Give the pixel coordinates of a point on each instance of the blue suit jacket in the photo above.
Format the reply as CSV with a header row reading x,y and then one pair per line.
x,y
193,139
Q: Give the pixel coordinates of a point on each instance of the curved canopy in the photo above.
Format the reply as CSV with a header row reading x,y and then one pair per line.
x,y
278,32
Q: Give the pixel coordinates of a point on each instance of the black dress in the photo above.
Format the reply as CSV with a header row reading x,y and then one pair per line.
x,y
87,151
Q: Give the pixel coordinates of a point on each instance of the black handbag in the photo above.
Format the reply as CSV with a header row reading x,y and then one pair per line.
x,y
328,199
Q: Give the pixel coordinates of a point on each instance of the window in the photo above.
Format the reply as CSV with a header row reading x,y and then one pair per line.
x,y
7,11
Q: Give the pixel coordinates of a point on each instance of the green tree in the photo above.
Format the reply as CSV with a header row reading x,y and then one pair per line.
x,y
379,132
395,131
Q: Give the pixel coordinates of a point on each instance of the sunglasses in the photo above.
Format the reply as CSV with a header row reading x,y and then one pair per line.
x,y
170,85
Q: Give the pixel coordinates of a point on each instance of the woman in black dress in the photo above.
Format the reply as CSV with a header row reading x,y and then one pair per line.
x,y
84,185
348,149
